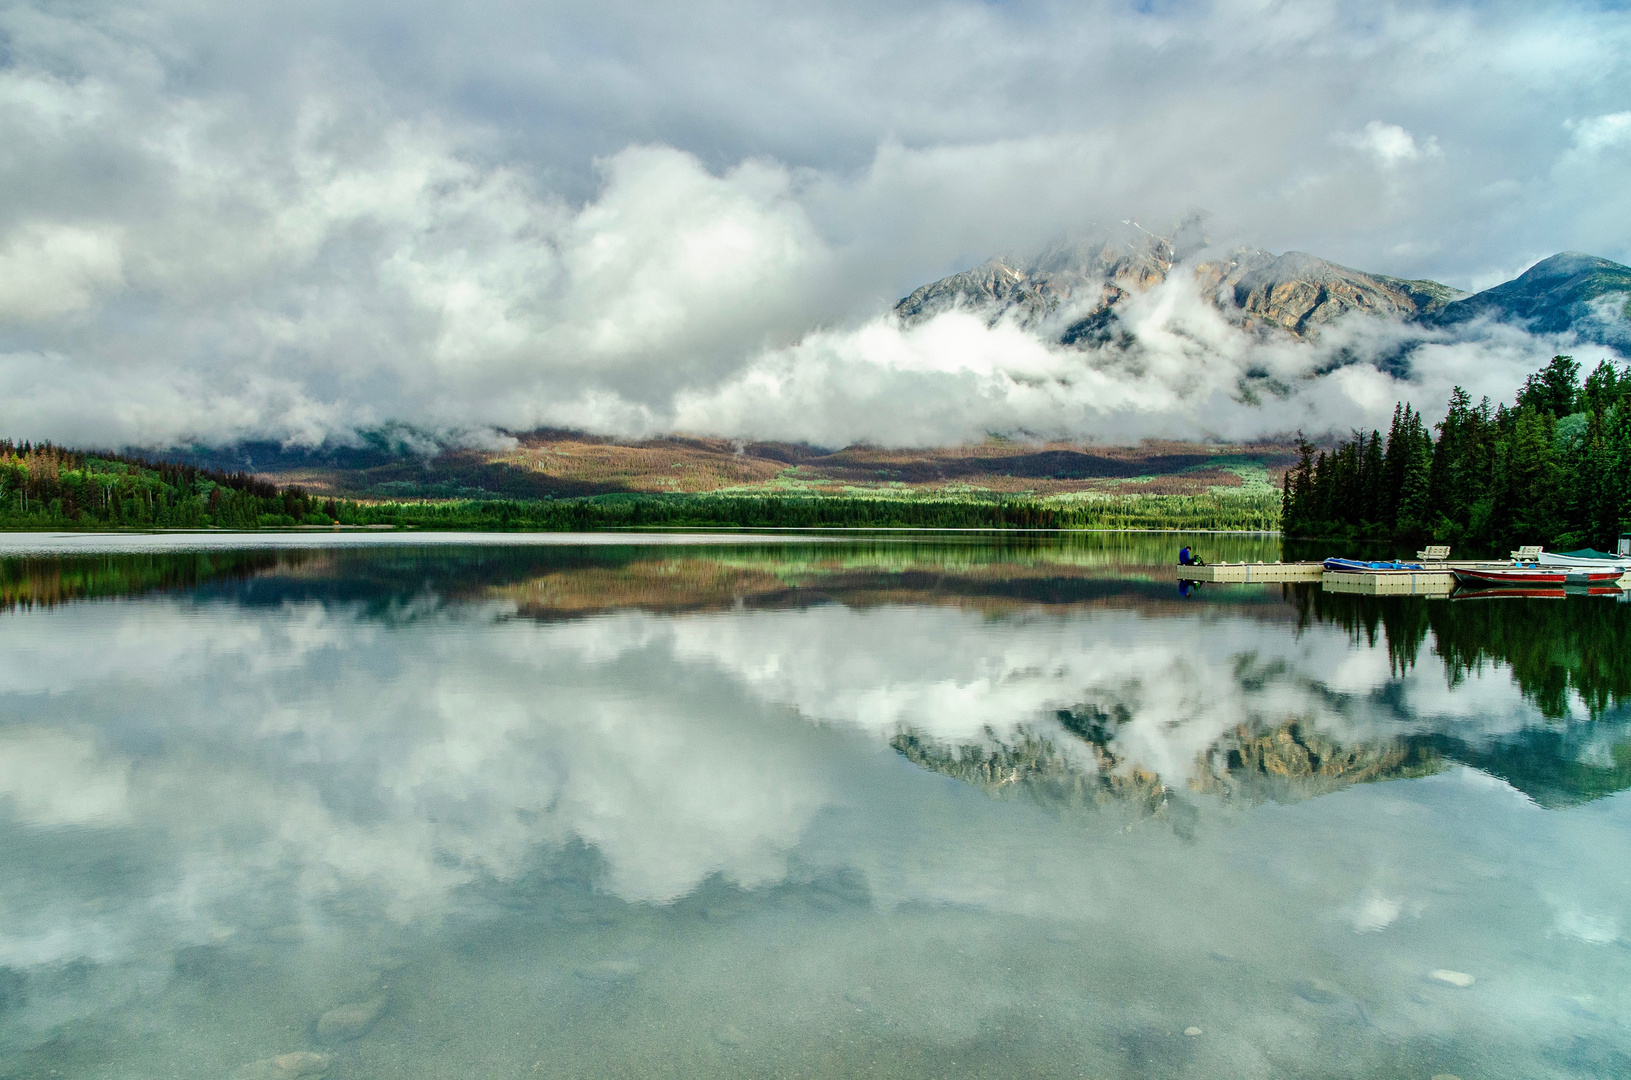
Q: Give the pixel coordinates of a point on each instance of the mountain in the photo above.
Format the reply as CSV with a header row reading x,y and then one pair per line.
x,y
1300,292
1077,280
1075,293
1570,291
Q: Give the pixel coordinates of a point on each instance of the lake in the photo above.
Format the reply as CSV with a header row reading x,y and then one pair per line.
x,y
896,805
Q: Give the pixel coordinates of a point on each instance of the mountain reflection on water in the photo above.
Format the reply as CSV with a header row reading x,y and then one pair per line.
x,y
956,807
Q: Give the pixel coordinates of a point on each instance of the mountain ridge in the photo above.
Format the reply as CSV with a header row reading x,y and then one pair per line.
x,y
1568,291
1073,293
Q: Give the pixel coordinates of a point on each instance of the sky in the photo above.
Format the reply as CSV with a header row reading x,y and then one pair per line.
x,y
295,221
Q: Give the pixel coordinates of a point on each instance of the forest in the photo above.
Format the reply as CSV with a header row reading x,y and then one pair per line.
x,y
46,487
1550,469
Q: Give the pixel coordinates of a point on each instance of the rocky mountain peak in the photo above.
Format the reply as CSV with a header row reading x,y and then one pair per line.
x,y
1569,291
1072,290
1087,273
1300,292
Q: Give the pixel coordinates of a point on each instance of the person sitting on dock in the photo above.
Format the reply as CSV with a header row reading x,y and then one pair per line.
x,y
1188,558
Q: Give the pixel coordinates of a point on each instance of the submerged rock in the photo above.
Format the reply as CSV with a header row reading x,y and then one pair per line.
x,y
1193,1031
608,972
729,1035
1316,992
350,1021
862,997
1452,978
300,1065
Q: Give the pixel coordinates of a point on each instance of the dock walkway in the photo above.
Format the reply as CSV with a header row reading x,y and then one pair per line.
x,y
1437,579
1258,571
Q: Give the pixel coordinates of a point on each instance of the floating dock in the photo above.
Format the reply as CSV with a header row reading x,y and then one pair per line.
x,y
1389,582
1435,579
1258,571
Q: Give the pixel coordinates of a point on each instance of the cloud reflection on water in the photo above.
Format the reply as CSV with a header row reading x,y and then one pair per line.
x,y
256,766
417,756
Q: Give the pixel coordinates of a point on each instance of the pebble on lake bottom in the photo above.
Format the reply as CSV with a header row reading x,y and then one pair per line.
x,y
608,972
350,1021
1193,1031
300,1065
1452,978
729,1035
1316,992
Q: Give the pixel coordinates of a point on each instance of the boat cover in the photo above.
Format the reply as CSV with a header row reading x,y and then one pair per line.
x,y
1584,559
1357,564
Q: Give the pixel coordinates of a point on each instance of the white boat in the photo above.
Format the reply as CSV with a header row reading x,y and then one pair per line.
x,y
1575,560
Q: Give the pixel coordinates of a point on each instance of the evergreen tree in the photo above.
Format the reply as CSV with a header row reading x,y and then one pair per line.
x,y
1493,476
1528,500
1297,498
1554,389
1372,503
1415,505
1604,387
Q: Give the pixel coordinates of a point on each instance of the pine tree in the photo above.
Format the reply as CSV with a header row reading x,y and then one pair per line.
x,y
1297,497
1374,479
1415,505
1554,389
1528,504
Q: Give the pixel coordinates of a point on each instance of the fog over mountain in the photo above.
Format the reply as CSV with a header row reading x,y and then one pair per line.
x,y
297,221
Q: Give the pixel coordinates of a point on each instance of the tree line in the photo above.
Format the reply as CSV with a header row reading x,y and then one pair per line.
x,y
1549,469
46,486
1247,512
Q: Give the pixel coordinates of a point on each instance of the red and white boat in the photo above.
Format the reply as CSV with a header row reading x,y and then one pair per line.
x,y
1535,592
1518,576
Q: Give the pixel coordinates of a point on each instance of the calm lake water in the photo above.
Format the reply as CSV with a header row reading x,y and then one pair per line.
x,y
898,807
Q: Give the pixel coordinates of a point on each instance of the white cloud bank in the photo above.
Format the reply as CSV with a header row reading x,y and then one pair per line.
x,y
275,225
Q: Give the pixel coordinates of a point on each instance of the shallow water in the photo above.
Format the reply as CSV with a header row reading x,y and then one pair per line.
x,y
956,806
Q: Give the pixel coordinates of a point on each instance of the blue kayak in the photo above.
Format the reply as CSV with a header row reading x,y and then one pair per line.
x,y
1355,564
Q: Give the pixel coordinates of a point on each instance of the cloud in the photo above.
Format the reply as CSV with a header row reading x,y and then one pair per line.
x,y
300,220
1600,133
1389,144
50,271
1189,373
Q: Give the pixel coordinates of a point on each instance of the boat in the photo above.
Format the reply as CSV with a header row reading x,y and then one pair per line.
x,y
1585,558
1518,576
1538,592
1356,566
1530,592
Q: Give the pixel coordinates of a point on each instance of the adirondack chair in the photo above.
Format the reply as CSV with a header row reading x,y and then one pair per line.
x,y
1434,553
1529,553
